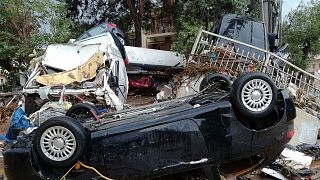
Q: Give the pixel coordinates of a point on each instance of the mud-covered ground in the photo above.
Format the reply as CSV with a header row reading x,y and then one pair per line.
x,y
5,114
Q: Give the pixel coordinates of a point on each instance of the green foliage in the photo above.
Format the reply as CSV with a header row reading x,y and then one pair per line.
x,y
12,81
185,38
301,31
29,24
191,15
79,29
127,14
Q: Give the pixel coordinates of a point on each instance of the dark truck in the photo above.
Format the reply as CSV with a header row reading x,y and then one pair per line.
x,y
214,132
246,30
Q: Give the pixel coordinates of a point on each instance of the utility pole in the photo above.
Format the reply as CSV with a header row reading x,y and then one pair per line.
x,y
271,11
271,15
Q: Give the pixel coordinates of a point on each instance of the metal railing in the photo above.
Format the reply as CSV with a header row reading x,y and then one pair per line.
x,y
232,57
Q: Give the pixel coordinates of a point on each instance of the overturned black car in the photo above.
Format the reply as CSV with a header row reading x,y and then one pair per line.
x,y
215,132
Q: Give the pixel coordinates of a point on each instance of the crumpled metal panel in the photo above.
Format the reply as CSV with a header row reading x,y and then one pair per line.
x,y
82,73
67,57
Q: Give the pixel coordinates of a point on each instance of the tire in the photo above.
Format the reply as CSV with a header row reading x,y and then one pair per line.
x,y
48,141
82,112
254,95
223,83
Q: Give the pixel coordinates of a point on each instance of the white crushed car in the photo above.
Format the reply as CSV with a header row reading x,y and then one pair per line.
x,y
87,69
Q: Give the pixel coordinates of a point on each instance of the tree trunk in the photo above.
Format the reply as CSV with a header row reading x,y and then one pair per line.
x,y
306,49
137,19
138,41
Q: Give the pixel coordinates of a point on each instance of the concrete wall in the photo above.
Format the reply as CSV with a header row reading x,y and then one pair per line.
x,y
314,66
306,128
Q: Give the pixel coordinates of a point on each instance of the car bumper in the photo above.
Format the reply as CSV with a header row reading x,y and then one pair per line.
x,y
18,164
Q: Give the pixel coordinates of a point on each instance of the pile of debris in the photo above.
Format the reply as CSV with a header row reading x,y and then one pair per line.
x,y
310,104
6,112
300,162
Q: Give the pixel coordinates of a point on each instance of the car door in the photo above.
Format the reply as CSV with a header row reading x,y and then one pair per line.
x,y
155,150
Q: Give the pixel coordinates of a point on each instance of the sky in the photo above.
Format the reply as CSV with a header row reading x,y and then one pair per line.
x,y
288,5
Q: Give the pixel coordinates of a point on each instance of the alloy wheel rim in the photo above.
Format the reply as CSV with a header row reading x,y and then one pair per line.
x,y
256,95
58,143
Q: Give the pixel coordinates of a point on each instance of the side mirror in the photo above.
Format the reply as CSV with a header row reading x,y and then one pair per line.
x,y
71,41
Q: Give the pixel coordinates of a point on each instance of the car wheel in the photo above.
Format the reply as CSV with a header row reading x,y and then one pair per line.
x,y
254,95
215,82
60,141
82,112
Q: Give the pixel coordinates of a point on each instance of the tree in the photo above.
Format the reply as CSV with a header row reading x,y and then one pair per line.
x,y
301,31
191,15
138,14
127,14
136,9
29,24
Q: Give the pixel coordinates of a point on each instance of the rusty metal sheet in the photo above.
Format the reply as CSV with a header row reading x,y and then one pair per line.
x,y
82,73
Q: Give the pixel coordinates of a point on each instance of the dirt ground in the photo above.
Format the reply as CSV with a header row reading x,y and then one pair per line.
x,y
140,100
5,116
4,124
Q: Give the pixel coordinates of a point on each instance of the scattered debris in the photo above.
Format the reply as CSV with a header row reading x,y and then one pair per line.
x,y
143,86
295,159
274,173
19,122
6,112
306,102
96,77
292,164
193,71
166,93
310,150
48,110
300,162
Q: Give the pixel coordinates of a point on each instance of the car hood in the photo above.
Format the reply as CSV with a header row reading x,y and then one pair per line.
x,y
68,56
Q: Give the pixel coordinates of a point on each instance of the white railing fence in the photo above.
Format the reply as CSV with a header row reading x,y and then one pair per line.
x,y
232,57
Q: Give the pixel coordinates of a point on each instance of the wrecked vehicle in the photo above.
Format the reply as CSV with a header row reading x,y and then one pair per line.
x,y
150,60
209,131
247,30
89,71
235,44
243,29
96,32
141,59
242,52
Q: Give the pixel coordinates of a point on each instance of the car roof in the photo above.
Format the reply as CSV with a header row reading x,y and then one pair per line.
x,y
114,29
100,29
